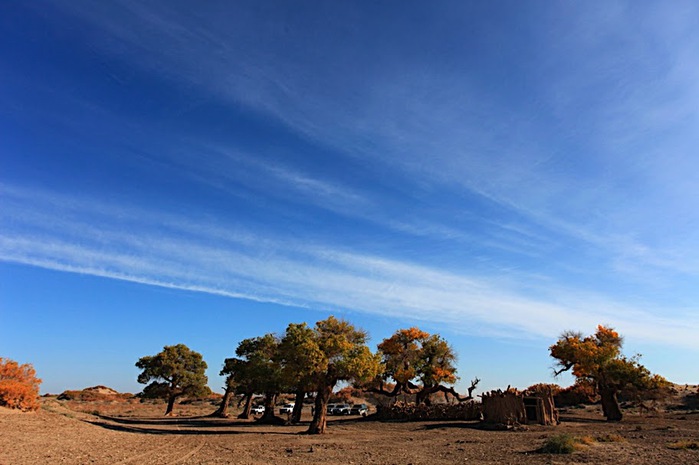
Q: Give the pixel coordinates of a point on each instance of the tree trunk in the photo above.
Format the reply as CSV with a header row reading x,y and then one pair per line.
x,y
170,404
320,414
298,406
268,416
423,397
245,414
223,408
610,403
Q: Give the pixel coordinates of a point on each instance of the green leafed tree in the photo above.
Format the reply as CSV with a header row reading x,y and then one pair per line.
x,y
231,369
416,362
598,360
176,371
262,370
254,370
297,347
331,352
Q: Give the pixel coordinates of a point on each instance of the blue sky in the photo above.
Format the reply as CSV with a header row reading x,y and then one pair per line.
x,y
496,172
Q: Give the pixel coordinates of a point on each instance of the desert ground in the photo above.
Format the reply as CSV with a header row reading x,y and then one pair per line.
x,y
74,432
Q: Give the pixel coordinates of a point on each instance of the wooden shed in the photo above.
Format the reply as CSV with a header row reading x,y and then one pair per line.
x,y
512,407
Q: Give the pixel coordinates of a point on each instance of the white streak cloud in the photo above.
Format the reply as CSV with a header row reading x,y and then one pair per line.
x,y
192,255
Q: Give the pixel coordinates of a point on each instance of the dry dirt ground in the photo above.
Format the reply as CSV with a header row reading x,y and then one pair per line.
x,y
68,432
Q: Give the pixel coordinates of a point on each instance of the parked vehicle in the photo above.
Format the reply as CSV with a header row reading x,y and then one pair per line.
x,y
287,408
258,410
341,409
330,408
359,409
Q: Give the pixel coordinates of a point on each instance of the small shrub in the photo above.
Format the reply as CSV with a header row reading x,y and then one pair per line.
x,y
411,412
543,388
684,445
582,392
19,386
611,438
586,440
559,444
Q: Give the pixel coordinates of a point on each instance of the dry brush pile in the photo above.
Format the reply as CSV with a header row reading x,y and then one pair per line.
x,y
417,412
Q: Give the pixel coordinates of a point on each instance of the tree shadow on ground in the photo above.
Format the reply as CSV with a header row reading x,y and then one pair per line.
x,y
581,419
691,402
191,426
454,425
201,421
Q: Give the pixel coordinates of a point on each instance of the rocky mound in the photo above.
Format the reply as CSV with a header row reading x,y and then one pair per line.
x,y
95,393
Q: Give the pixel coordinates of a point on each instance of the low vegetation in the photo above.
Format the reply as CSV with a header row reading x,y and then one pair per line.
x,y
567,443
560,444
610,438
19,386
684,445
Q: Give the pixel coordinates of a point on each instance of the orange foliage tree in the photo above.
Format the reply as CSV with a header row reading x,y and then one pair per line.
x,y
598,360
418,363
19,386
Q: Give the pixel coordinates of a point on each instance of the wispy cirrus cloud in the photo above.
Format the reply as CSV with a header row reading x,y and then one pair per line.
x,y
190,254
591,154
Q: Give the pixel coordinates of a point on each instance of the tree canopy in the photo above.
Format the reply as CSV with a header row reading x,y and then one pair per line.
x,y
19,386
417,363
254,370
174,372
598,360
332,351
297,351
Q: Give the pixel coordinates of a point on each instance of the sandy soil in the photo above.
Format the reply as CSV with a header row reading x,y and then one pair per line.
x,y
122,433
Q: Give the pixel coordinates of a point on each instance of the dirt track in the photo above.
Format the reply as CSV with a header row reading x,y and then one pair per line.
x,y
59,434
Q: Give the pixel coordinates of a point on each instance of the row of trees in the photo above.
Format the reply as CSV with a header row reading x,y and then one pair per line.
x,y
313,360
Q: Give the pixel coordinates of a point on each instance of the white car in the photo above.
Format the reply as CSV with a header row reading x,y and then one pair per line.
x,y
341,409
330,408
287,408
258,410
359,409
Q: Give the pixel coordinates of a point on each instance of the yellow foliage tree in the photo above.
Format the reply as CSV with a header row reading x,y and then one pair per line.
x,y
598,360
19,386
332,351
